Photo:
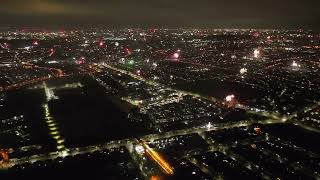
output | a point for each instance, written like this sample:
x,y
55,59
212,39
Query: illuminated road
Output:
x,y
24,83
65,153
57,72
125,142
165,166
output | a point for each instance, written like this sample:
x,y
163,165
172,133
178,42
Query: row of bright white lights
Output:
x,y
51,123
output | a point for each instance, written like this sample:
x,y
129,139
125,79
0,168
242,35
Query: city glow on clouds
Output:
x,y
49,7
200,13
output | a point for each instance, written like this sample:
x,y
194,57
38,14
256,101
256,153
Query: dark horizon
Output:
x,y
249,14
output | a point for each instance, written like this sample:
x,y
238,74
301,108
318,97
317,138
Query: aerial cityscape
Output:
x,y
160,103
146,90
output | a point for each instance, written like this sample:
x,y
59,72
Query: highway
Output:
x,y
125,142
165,166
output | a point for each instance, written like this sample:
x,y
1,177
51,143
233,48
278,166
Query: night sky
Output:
x,y
163,13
